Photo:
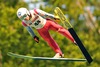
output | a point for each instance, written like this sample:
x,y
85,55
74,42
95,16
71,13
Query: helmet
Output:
x,y
22,13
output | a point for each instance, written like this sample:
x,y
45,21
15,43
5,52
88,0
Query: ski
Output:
x,y
43,58
67,25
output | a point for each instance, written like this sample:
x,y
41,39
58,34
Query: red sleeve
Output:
x,y
35,11
24,24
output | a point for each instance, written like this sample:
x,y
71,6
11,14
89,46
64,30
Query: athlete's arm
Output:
x,y
46,15
29,29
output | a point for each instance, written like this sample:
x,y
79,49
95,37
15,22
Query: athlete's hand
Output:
x,y
56,19
36,39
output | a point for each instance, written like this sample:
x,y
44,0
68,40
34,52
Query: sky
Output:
x,y
34,5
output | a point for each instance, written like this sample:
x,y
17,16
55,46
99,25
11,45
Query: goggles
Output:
x,y
23,17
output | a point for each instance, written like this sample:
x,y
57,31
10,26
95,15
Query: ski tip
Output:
x,y
9,53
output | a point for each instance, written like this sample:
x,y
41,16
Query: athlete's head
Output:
x,y
22,13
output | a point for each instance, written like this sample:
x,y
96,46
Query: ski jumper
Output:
x,y
42,21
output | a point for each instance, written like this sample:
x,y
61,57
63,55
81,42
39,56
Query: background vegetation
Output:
x,y
84,15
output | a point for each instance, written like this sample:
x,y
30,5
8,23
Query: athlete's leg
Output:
x,y
46,36
60,29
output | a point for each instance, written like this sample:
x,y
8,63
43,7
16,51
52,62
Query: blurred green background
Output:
x,y
84,15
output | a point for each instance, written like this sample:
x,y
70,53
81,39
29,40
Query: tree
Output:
x,y
14,38
0,59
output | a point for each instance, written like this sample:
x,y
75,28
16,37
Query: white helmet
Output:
x,y
22,13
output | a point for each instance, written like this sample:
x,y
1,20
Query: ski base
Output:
x,y
43,58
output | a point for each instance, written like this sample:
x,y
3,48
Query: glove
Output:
x,y
56,19
36,39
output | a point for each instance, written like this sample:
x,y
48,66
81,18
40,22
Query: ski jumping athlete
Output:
x,y
43,22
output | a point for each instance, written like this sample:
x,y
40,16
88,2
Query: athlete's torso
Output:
x,y
36,21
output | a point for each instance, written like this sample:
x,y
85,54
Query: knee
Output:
x,y
47,39
61,29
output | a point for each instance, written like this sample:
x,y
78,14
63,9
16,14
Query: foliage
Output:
x,y
14,38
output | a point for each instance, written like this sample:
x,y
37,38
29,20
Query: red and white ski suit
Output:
x,y
42,21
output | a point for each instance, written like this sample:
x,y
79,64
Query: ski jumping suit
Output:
x,y
41,21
